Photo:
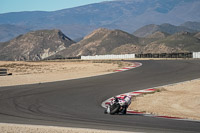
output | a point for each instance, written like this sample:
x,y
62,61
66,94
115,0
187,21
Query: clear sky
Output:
x,y
41,5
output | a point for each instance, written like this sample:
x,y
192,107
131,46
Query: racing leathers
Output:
x,y
124,102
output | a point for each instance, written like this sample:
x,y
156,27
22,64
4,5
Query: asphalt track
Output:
x,y
77,103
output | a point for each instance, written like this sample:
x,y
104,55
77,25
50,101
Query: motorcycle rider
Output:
x,y
124,101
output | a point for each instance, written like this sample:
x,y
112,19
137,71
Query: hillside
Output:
x,y
157,35
104,41
192,25
197,35
178,42
126,15
152,37
183,40
100,41
34,45
51,44
147,30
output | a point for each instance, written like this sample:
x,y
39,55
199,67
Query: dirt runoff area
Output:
x,y
49,71
179,100
15,128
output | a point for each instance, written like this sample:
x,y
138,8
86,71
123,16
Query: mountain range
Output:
x,y
126,15
103,41
51,44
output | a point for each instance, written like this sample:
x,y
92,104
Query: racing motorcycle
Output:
x,y
116,106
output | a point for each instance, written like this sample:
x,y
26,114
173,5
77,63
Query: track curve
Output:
x,y
77,103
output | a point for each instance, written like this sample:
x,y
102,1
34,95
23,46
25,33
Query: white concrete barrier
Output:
x,y
196,54
98,57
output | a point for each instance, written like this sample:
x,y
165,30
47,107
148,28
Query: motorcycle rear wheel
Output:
x,y
114,108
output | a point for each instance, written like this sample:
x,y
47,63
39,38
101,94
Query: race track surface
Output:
x,y
77,103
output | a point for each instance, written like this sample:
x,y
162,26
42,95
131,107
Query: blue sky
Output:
x,y
41,5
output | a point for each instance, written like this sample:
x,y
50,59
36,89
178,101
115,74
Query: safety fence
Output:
x,y
165,55
62,58
145,55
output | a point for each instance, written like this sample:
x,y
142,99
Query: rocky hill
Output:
x,y
178,42
100,41
158,35
143,41
104,41
197,35
166,28
34,45
183,41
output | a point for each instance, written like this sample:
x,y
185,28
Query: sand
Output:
x,y
16,128
49,71
179,100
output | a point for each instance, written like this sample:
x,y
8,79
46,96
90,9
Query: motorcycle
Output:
x,y
116,106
